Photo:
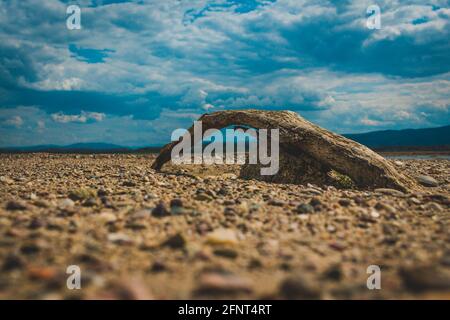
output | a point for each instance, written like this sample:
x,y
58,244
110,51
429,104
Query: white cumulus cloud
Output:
x,y
15,121
83,117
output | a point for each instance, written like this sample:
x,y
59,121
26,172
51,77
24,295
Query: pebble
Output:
x,y
13,262
315,202
414,200
374,214
160,210
141,214
427,181
178,211
129,183
106,217
312,191
229,211
41,203
334,272
120,238
344,202
425,278
36,223
392,192
399,163
386,207
391,229
222,237
215,283
276,202
65,204
123,289
42,273
255,263
223,191
176,203
176,241
106,202
203,227
433,206
230,176
202,197
81,194
150,196
30,248
338,246
299,287
102,193
176,207
445,259
6,180
158,266
136,225
305,208
441,198
226,253
251,188
90,202
365,217
242,208
16,205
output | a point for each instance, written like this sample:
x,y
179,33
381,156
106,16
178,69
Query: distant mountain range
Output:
x,y
429,138
386,140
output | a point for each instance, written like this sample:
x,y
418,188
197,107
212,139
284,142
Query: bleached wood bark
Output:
x,y
301,138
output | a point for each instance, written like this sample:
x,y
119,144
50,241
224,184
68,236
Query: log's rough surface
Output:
x,y
305,144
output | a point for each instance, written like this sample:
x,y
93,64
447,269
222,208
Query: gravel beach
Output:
x,y
202,232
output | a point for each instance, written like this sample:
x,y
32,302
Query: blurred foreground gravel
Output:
x,y
200,232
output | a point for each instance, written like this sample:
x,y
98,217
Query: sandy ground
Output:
x,y
139,234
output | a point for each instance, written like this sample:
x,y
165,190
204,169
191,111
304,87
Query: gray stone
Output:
x,y
427,181
305,208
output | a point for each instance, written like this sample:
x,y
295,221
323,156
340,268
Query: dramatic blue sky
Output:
x,y
139,69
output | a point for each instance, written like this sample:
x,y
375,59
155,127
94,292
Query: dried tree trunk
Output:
x,y
300,138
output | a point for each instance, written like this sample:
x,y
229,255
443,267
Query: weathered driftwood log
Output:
x,y
305,144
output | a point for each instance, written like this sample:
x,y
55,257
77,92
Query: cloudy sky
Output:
x,y
137,70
